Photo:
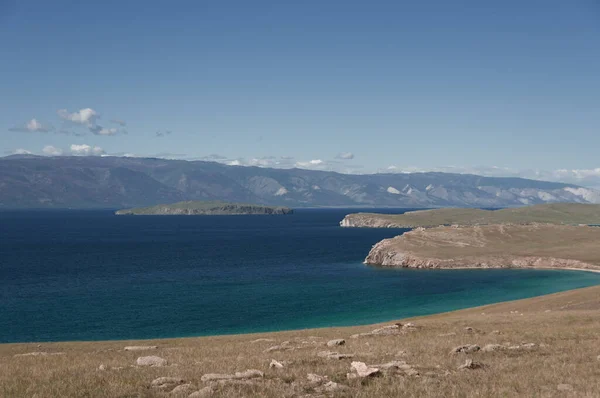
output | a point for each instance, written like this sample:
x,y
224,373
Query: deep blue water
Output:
x,y
89,275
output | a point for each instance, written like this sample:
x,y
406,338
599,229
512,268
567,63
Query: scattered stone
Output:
x,y
315,378
285,346
332,386
275,364
383,331
524,346
492,348
203,392
183,389
261,340
140,347
470,364
548,311
333,355
468,329
398,366
598,357
401,353
151,361
248,374
467,348
166,383
495,332
564,387
335,342
362,370
447,334
38,354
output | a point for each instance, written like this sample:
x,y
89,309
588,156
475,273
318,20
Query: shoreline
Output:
x,y
494,350
332,327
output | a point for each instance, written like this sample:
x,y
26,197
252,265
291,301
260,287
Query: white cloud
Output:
x,y
52,150
345,156
32,126
120,122
86,116
99,130
86,150
310,164
21,151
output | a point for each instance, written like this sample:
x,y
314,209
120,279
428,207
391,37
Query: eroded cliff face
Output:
x,y
366,221
492,246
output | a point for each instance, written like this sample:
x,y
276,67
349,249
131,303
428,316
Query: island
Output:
x,y
204,208
556,213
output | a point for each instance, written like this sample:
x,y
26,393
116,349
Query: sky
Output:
x,y
489,87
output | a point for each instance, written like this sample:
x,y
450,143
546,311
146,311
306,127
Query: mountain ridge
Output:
x,y
120,182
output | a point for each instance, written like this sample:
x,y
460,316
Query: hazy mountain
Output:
x,y
117,182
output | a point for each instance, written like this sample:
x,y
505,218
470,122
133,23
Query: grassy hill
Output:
x,y
557,213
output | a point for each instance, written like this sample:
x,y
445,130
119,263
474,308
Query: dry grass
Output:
x,y
556,213
565,326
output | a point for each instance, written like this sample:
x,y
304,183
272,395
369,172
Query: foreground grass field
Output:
x,y
541,347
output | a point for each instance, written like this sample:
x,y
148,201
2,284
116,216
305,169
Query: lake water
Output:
x,y
90,275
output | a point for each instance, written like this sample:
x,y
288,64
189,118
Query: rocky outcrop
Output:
x,y
492,246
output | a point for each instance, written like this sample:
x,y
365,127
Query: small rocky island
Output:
x,y
202,208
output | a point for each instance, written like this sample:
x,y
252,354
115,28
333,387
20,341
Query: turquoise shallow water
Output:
x,y
89,275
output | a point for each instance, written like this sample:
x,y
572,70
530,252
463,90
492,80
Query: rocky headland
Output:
x,y
492,246
195,208
556,213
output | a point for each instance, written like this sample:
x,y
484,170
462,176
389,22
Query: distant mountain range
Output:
x,y
118,182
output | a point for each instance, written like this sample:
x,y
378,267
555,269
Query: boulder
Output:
x,y
151,361
336,342
275,364
362,370
332,386
102,367
470,364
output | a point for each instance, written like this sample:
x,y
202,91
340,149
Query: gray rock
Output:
x,y
203,392
492,348
275,364
102,367
362,370
248,374
333,355
467,348
151,361
447,334
336,342
183,390
166,383
140,347
332,386
315,378
470,364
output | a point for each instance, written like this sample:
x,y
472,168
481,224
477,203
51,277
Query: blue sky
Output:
x,y
503,86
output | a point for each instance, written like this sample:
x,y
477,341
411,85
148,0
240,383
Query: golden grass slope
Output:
x,y
557,213
563,362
